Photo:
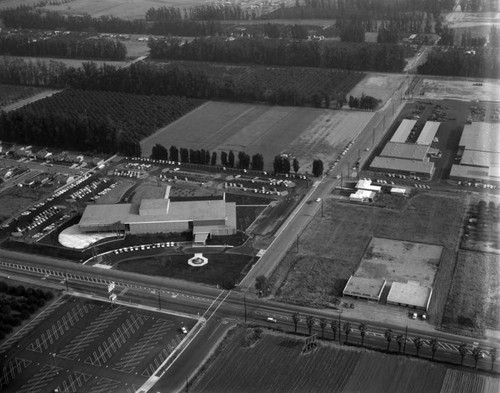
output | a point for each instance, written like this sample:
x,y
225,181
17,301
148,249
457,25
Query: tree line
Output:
x,y
154,79
204,157
482,62
359,56
335,9
347,328
365,102
25,44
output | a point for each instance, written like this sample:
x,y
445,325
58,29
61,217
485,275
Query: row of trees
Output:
x,y
205,12
480,62
360,56
28,18
194,82
18,304
281,164
71,47
203,157
381,9
365,102
347,328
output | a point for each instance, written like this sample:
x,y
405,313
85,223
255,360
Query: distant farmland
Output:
x,y
306,133
276,364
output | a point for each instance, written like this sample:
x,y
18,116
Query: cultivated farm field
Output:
x,y
379,86
331,247
305,133
275,363
461,89
474,301
10,94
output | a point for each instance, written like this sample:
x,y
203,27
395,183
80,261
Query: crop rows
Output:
x,y
463,382
306,81
92,120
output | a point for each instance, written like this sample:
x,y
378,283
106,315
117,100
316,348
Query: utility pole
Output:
x,y
322,215
67,286
297,244
159,298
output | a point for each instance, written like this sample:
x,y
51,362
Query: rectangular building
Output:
x,y
365,288
428,133
407,167
404,129
410,294
407,151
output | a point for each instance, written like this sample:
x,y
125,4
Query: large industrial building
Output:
x,y
203,217
479,154
399,156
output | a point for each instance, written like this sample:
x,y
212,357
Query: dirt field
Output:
x,y
457,381
331,248
10,94
275,364
394,260
68,62
379,86
306,133
460,89
474,301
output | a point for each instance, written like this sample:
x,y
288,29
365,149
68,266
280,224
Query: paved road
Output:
x,y
291,229
218,306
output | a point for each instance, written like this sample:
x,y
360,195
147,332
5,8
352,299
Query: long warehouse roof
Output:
x,y
404,129
428,133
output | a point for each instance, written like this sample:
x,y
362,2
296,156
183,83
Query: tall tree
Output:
x,y
159,152
214,159
476,354
335,326
223,158
399,340
296,320
418,342
317,168
462,349
230,159
363,327
174,153
347,331
388,336
322,325
434,344
296,166
310,323
493,357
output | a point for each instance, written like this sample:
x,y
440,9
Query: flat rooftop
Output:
x,y
399,164
428,133
481,136
480,158
178,211
403,131
408,151
370,288
410,294
367,185
466,172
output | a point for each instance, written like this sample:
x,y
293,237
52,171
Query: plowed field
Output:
x,y
305,133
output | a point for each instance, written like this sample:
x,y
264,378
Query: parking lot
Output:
x,y
91,346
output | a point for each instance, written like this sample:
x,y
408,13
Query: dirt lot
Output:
x,y
331,248
474,301
395,260
306,133
379,86
461,89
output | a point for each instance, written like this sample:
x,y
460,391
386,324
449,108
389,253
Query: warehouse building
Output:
x,y
403,131
364,288
411,159
410,294
204,218
406,167
479,152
